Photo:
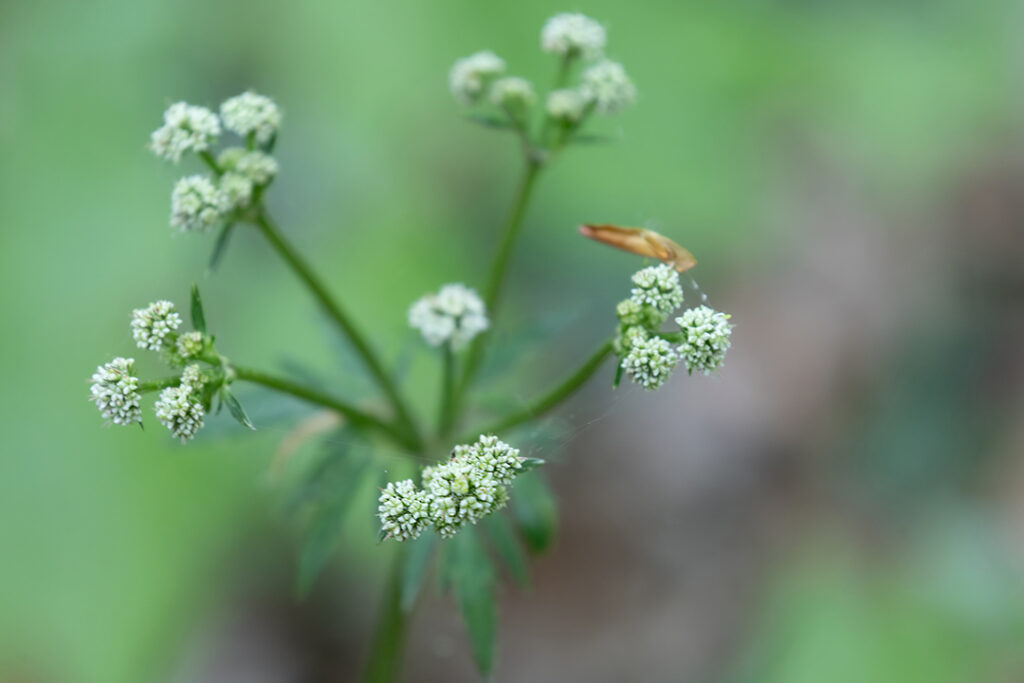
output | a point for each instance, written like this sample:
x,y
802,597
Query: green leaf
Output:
x,y
535,512
414,569
350,471
198,319
531,464
472,582
618,376
219,247
237,411
489,121
507,546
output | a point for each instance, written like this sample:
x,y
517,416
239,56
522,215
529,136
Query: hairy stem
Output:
x,y
343,321
553,397
349,411
384,663
492,291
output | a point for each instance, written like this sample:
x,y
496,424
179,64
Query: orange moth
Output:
x,y
642,242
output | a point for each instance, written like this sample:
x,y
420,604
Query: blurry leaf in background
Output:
x,y
507,547
415,568
471,578
535,512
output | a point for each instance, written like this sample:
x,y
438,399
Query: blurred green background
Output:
x,y
845,502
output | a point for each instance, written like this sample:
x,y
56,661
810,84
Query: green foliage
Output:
x,y
469,573
508,547
196,310
536,515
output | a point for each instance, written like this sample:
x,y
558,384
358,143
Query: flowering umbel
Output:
x,y
155,326
462,490
470,76
186,128
454,315
252,114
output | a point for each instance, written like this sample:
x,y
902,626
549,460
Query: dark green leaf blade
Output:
x,y
472,581
219,247
198,318
507,546
237,411
535,512
414,569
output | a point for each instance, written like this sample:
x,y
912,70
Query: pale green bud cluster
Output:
x,y
190,345
454,315
200,202
470,76
607,86
566,105
472,484
659,288
115,388
513,94
706,334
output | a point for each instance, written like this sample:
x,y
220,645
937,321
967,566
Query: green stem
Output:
x,y
349,411
446,417
211,162
159,384
385,659
336,314
492,291
553,397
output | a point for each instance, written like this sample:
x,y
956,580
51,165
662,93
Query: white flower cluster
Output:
x,y
463,490
190,345
608,87
706,335
180,408
115,388
403,510
454,315
566,105
186,128
151,326
573,34
252,113
258,167
650,361
197,204
470,76
658,287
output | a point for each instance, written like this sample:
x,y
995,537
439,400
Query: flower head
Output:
x,y
153,325
658,287
650,361
115,388
461,494
252,113
607,85
469,76
706,335
573,34
179,408
455,315
403,510
198,204
513,94
190,345
186,128
492,458
237,188
566,105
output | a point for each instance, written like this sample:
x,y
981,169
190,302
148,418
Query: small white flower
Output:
x,y
460,494
238,189
197,204
252,113
469,76
706,334
186,129
607,85
455,314
151,326
490,458
115,388
658,287
403,510
179,409
650,362
628,336
512,93
257,166
573,34
566,105
192,378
